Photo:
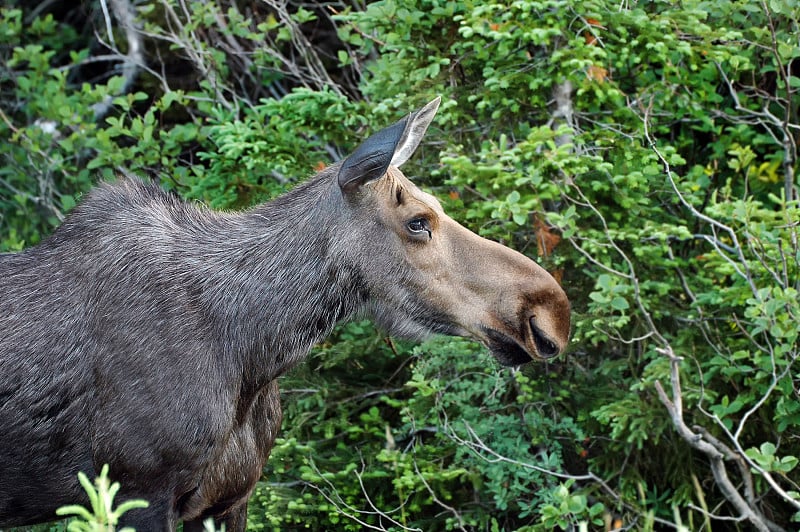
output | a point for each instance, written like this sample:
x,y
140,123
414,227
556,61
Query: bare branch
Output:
x,y
715,455
439,501
741,268
317,76
132,59
332,496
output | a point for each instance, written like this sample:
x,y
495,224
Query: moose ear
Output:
x,y
393,145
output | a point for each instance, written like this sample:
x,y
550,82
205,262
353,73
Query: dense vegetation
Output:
x,y
645,153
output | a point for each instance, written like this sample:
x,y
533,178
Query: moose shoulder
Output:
x,y
148,333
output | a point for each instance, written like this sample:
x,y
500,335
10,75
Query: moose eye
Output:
x,y
418,226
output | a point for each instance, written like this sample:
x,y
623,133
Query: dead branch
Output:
x,y
741,268
437,500
716,452
317,76
331,494
134,56
563,112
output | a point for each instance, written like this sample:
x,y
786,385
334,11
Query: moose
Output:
x,y
148,333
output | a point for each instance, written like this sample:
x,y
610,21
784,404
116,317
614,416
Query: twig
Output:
x,y
437,500
353,513
713,223
8,122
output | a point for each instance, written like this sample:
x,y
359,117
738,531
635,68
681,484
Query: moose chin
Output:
x,y
148,333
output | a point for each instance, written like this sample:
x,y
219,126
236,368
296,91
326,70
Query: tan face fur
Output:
x,y
489,292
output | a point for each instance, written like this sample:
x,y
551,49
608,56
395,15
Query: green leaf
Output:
x,y
76,510
67,202
619,303
768,449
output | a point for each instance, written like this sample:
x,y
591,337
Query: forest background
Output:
x,y
644,152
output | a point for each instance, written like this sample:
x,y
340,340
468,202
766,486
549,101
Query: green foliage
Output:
x,y
56,147
269,149
561,512
656,141
457,429
102,516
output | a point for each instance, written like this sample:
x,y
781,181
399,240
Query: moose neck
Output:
x,y
278,285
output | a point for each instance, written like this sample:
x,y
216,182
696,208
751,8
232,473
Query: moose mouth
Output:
x,y
505,350
509,352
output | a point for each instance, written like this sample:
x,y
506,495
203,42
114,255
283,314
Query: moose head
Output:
x,y
426,273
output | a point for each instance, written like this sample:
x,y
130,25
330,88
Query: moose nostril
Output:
x,y
545,347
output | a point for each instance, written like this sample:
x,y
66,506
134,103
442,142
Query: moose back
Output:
x,y
148,333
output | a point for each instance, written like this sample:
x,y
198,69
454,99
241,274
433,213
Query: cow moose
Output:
x,y
148,333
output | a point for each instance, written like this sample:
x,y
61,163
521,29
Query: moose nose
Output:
x,y
545,347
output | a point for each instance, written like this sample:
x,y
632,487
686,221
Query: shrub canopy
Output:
x,y
645,153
